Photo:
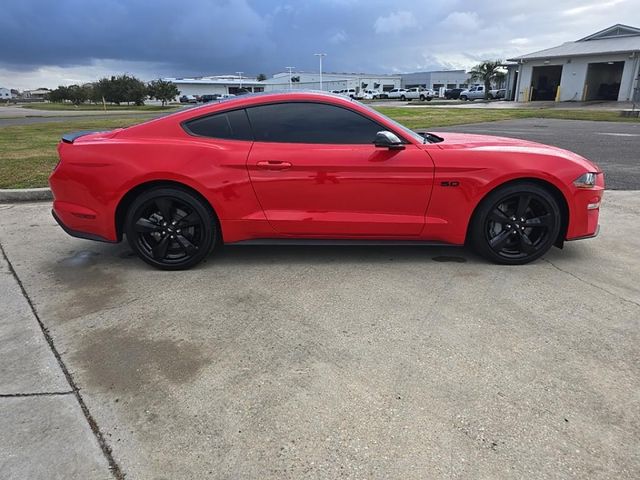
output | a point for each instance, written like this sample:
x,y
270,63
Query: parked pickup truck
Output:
x,y
473,93
419,93
396,93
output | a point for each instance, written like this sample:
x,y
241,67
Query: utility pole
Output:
x,y
320,55
240,75
290,69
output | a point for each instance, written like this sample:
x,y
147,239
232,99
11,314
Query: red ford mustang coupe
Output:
x,y
312,167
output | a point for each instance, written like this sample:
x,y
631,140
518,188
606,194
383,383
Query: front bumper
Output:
x,y
591,235
584,211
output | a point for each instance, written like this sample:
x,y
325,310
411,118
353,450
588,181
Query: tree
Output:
x,y
162,90
118,89
58,95
77,94
261,77
487,71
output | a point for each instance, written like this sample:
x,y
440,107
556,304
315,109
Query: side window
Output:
x,y
300,122
227,125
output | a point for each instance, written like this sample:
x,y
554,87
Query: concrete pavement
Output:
x,y
45,434
273,362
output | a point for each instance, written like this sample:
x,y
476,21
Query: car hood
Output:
x,y
472,142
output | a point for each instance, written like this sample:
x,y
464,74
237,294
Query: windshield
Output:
x,y
399,126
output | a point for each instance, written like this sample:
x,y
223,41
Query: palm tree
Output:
x,y
488,71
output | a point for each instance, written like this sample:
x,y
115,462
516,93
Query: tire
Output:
x,y
171,228
429,99
422,98
463,98
515,224
403,98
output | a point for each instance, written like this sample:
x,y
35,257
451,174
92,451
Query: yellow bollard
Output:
x,y
558,94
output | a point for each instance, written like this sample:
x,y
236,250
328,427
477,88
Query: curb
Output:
x,y
11,195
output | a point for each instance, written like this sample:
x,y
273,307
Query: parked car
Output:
x,y
419,93
370,94
308,166
350,92
398,93
452,93
188,99
473,93
497,93
209,97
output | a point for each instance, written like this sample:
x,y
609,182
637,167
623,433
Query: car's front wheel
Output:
x,y
403,98
516,224
170,228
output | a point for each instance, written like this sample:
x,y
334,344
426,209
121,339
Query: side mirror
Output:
x,y
386,139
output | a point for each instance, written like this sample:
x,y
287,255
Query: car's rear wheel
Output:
x,y
422,98
403,98
516,224
463,98
170,228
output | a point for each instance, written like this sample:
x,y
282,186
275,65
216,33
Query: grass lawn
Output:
x,y
84,107
28,152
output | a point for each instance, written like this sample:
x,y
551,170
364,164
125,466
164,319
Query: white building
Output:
x,y
233,84
602,66
5,93
332,81
221,84
436,79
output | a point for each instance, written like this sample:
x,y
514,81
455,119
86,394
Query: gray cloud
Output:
x,y
78,40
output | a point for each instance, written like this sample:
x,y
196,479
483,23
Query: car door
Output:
x,y
316,172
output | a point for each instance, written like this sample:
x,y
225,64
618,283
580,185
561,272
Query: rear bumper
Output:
x,y
78,233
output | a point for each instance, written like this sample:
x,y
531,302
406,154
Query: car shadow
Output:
x,y
230,255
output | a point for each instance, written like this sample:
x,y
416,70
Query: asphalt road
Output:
x,y
614,146
320,363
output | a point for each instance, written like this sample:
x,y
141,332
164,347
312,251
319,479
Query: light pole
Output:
x,y
240,75
290,68
320,55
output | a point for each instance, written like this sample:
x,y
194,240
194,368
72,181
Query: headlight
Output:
x,y
588,180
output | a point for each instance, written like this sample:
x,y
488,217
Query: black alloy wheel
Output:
x,y
170,228
516,224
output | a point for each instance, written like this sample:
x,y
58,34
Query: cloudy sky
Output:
x,y
46,43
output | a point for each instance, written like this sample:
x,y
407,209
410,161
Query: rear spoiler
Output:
x,y
71,137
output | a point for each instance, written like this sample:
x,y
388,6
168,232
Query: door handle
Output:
x,y
273,165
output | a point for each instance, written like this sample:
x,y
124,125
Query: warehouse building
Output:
x,y
436,80
221,84
234,84
601,66
332,81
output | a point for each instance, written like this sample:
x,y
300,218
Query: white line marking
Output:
x,y
620,134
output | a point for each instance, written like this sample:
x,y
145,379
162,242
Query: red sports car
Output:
x,y
311,167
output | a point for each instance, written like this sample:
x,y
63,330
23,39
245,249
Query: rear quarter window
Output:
x,y
231,125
